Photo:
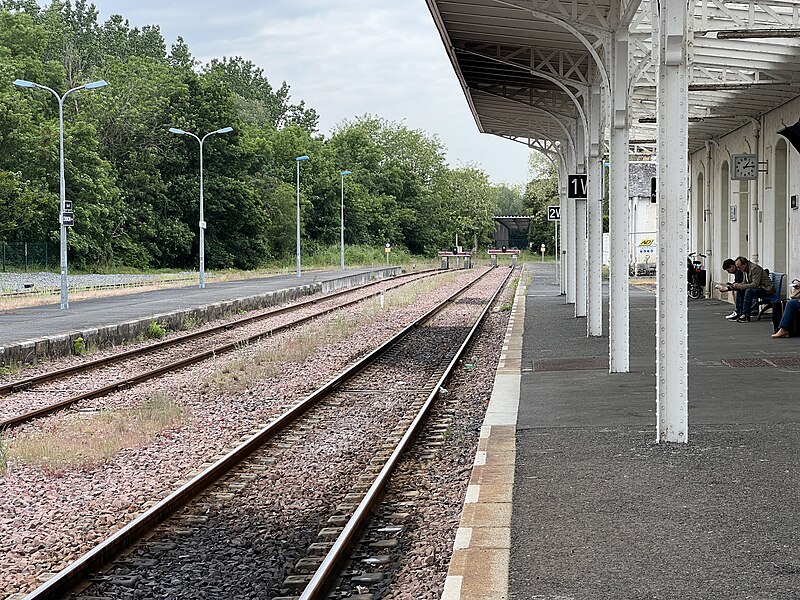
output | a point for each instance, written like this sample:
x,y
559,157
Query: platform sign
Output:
x,y
388,247
554,213
68,219
576,187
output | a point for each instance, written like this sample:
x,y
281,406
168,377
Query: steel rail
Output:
x,y
129,382
23,384
68,578
325,575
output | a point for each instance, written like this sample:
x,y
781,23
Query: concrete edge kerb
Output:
x,y
64,344
478,567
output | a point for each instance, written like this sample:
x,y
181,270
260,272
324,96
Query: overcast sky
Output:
x,y
344,58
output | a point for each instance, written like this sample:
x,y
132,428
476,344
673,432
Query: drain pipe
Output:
x,y
754,220
707,228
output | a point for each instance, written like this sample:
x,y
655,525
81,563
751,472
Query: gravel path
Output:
x,y
47,519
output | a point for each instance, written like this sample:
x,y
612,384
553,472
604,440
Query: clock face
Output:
x,y
745,166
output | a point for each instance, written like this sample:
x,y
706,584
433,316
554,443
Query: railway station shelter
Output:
x,y
709,91
511,232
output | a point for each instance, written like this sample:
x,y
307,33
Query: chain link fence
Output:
x,y
25,256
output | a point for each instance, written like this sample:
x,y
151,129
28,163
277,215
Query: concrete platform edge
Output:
x,y
63,344
484,533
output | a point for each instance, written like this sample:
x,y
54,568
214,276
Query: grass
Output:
x,y
251,365
3,455
85,440
10,369
155,330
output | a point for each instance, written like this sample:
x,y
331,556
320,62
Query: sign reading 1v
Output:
x,y
576,187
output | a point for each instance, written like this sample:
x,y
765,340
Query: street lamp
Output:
x,y
202,216
343,173
298,160
61,188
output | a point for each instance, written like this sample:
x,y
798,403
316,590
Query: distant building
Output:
x,y
643,219
511,232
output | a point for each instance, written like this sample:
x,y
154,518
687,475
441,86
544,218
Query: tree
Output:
x,y
539,194
256,101
510,200
135,187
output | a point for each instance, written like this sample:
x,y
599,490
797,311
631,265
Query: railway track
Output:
x,y
336,459
200,345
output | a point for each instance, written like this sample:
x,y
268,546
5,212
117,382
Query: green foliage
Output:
x,y
3,454
539,194
135,187
79,346
155,331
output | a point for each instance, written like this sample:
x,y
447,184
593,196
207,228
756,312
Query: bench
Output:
x,y
761,305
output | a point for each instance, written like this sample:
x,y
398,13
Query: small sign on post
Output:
x,y
542,249
554,213
576,187
387,249
68,219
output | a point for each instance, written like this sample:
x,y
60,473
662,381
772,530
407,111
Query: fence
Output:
x,y
26,256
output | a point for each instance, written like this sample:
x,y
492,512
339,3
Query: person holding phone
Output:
x,y
729,265
756,284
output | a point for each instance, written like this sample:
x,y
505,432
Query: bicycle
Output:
x,y
696,275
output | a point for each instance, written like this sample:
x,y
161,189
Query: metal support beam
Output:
x,y
594,180
671,300
562,194
569,232
581,256
618,218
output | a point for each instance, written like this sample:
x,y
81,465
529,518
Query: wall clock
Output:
x,y
745,166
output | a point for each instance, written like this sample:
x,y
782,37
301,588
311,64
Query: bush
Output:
x,y
79,346
156,331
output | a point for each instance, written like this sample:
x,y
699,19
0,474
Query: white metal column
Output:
x,y
564,266
568,237
594,182
672,401
562,198
618,217
581,254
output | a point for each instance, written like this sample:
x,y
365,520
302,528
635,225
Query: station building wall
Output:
x,y
728,218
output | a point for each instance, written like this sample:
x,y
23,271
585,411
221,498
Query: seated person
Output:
x,y
757,284
729,265
792,306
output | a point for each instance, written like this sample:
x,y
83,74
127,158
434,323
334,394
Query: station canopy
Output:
x,y
515,225
516,59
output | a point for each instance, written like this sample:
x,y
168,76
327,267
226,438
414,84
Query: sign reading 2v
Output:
x,y
576,187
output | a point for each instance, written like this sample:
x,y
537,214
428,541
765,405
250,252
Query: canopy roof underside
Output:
x,y
524,68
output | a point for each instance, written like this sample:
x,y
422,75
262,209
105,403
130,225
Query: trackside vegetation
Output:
x,y
134,186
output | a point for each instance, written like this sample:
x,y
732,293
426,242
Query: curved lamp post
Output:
x,y
298,160
62,189
202,215
343,173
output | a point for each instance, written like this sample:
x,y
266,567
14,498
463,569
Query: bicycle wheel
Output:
x,y
695,291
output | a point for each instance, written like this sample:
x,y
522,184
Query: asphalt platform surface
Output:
x,y
33,322
601,511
